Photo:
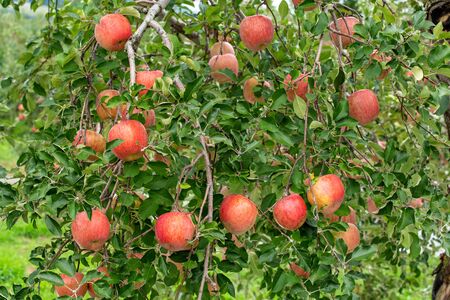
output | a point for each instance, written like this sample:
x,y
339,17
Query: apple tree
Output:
x,y
222,149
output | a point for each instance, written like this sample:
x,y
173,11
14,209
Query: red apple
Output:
x,y
72,286
222,62
91,234
363,106
134,138
90,139
22,117
20,107
344,25
299,271
290,212
103,111
350,237
350,218
238,213
149,116
90,285
112,32
249,94
416,203
372,206
297,87
256,32
221,48
174,230
147,79
328,193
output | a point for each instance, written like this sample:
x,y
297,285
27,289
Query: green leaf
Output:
x,y
417,72
363,253
283,9
406,218
438,55
65,267
444,71
52,225
299,107
129,11
51,277
280,283
131,169
437,30
322,23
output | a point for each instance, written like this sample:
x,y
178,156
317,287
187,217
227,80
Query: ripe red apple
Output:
x,y
416,203
221,48
256,32
174,230
149,116
222,62
91,234
112,32
22,117
372,206
350,218
238,213
20,107
328,192
104,112
290,212
344,25
134,138
72,286
249,94
308,8
147,79
90,139
90,285
297,87
299,271
363,106
350,237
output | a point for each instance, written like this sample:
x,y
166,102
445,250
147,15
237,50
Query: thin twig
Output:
x,y
127,244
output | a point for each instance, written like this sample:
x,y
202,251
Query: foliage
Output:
x,y
258,150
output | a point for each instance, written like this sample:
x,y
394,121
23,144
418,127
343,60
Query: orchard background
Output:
x,y
208,141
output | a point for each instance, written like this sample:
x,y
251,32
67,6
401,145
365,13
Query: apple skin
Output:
x,y
226,48
149,116
104,112
22,117
222,62
344,25
134,138
372,206
91,234
90,139
350,237
112,32
174,230
290,212
256,32
328,192
147,79
363,106
297,87
299,271
416,203
20,107
350,218
72,286
90,285
238,213
249,85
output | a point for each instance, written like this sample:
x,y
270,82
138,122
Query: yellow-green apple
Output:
x,y
297,87
134,137
90,285
238,213
220,48
147,79
372,206
72,286
103,111
256,32
91,139
249,94
350,237
381,57
220,63
328,193
363,106
112,32
299,271
290,212
350,218
91,234
149,116
345,26
308,8
175,230
416,203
